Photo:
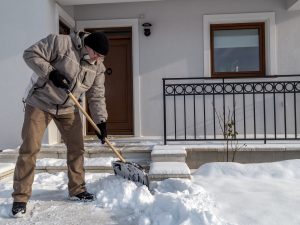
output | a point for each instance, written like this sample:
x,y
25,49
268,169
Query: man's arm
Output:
x,y
40,55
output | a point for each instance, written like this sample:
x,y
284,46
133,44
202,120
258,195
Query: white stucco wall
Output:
x,y
175,47
22,24
288,36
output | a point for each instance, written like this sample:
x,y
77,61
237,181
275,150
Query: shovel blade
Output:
x,y
131,171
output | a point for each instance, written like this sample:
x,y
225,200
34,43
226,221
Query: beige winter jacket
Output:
x,y
64,53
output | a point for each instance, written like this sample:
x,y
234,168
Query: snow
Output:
x,y
217,194
289,169
264,194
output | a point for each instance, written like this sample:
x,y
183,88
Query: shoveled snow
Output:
x,y
218,194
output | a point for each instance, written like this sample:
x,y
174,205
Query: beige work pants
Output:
x,y
34,126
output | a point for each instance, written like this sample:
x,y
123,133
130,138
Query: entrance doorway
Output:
x,y
118,82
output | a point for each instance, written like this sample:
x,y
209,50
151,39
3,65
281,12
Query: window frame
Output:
x,y
262,51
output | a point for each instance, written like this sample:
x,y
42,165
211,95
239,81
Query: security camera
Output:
x,y
147,30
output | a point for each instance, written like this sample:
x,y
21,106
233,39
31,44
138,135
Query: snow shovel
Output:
x,y
128,170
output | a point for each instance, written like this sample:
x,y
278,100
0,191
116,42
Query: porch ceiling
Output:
x,y
293,5
290,4
86,2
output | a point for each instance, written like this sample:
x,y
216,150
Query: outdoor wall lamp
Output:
x,y
147,30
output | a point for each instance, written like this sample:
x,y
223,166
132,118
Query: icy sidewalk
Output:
x,y
49,204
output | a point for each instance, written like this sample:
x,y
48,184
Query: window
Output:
x,y
237,49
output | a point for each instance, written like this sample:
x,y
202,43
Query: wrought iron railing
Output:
x,y
198,109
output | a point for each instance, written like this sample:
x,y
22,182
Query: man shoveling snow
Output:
x,y
61,62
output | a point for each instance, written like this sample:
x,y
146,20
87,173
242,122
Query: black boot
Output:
x,y
83,196
18,209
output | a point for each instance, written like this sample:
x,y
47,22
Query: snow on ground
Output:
x,y
218,194
254,194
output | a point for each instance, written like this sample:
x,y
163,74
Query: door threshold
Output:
x,y
110,137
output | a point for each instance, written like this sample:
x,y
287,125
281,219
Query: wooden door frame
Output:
x,y
133,23
121,38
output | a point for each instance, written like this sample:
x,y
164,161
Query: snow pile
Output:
x,y
262,193
180,202
174,201
283,170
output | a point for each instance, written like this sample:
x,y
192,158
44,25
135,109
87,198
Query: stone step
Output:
x,y
7,169
88,169
164,170
91,151
101,161
165,153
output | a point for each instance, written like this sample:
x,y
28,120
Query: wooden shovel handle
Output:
x,y
94,125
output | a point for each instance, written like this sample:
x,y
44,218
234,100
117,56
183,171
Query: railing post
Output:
x,y
164,105
224,108
264,109
295,110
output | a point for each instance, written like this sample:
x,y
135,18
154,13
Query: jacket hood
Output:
x,y
78,38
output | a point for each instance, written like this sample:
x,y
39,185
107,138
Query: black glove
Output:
x,y
102,127
59,80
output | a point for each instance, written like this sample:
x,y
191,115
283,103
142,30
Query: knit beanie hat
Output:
x,y
98,42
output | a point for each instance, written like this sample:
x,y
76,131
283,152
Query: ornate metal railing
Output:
x,y
198,109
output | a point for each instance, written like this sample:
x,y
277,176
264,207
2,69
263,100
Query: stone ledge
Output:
x,y
88,169
164,177
168,158
91,148
91,169
248,148
169,147
94,153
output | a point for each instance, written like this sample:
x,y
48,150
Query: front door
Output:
x,y
118,82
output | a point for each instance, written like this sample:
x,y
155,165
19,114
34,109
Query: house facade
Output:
x,y
179,46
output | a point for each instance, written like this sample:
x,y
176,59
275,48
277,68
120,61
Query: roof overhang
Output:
x,y
88,2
